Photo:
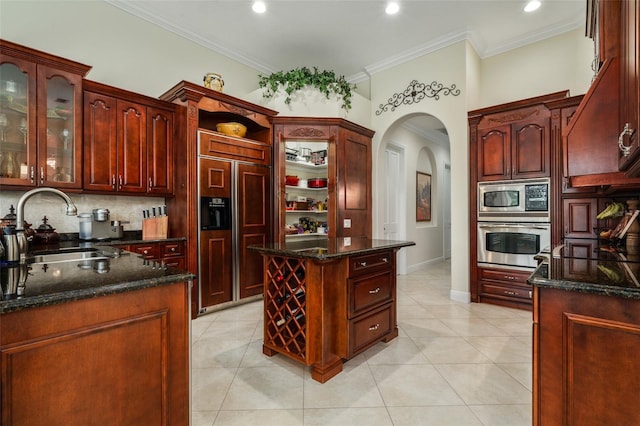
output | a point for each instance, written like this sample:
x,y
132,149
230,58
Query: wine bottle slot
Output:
x,y
299,294
298,315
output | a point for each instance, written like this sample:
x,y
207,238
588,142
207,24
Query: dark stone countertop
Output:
x,y
128,237
601,272
329,248
31,285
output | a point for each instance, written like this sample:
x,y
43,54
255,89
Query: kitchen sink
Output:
x,y
73,254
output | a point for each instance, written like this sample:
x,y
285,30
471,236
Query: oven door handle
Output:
x,y
512,225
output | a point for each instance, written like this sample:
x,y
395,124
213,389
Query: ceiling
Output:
x,y
354,38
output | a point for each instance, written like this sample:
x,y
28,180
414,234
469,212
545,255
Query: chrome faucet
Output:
x,y
22,239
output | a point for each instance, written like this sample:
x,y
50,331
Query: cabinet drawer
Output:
x,y
172,249
148,251
504,275
369,291
367,263
506,291
369,328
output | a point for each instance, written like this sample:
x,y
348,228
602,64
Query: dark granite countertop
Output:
x,y
601,272
329,247
30,285
128,237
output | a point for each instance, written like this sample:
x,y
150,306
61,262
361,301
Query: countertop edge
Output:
x,y
19,304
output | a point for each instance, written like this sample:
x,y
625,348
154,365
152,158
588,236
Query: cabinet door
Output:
x,y
160,151
254,205
579,217
216,256
100,142
59,128
494,153
353,184
629,93
132,147
530,149
18,139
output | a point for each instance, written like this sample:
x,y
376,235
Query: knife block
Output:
x,y
155,228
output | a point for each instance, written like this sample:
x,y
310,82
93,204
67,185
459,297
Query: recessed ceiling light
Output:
x,y
392,8
259,7
532,5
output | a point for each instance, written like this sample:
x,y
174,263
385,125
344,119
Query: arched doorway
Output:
x,y
415,143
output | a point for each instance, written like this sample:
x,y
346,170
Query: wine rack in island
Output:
x,y
326,302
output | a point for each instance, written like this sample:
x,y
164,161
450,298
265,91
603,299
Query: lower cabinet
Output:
x,y
120,359
170,253
506,287
585,364
321,312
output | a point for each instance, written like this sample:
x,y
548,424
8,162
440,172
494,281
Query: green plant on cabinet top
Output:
x,y
296,79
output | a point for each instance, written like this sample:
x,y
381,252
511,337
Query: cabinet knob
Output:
x,y
625,149
363,263
172,249
377,290
145,251
374,327
385,260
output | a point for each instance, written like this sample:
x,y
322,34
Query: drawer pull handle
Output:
x,y
624,149
374,327
510,293
377,290
509,277
385,260
145,251
363,263
173,249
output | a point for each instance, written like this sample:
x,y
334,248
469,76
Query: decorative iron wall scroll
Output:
x,y
416,92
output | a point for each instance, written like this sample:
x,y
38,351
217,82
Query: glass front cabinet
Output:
x,y
40,119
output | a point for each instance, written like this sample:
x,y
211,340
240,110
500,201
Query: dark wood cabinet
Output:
x,y
209,163
506,287
583,365
579,217
512,141
347,167
342,306
120,358
593,156
40,119
128,146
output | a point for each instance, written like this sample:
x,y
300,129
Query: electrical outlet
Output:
x,y
347,223
347,241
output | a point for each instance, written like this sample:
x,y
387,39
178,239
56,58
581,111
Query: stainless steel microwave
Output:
x,y
514,200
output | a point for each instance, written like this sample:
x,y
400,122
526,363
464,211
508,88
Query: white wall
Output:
x,y
559,63
124,51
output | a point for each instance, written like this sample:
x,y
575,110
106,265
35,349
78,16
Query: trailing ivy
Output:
x,y
296,79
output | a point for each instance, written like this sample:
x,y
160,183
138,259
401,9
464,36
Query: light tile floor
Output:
x,y
452,364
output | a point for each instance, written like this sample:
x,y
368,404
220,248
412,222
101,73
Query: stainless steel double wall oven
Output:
x,y
513,222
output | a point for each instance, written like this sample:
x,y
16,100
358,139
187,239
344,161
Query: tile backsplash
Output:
x,y
123,208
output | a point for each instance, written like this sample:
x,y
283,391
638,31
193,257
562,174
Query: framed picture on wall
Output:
x,y
423,197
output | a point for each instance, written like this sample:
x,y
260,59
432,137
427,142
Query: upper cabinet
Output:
x,y
601,141
128,142
512,141
40,119
322,175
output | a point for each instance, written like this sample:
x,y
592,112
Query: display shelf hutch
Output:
x,y
346,199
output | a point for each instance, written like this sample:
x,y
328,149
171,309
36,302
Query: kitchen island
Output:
x,y
94,334
586,337
325,301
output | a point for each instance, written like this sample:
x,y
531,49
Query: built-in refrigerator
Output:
x,y
235,207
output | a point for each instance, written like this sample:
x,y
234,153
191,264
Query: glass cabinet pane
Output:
x,y
60,153
14,119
